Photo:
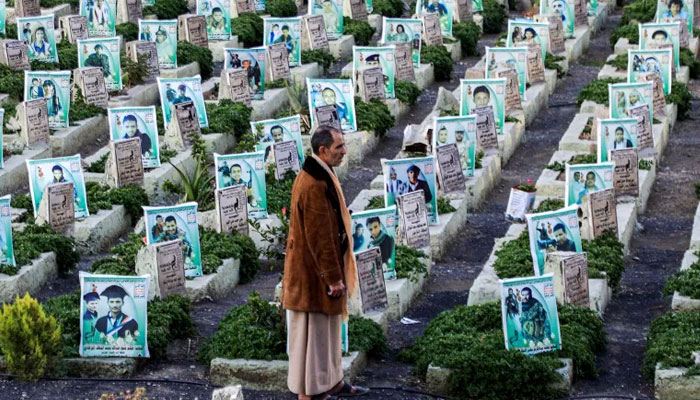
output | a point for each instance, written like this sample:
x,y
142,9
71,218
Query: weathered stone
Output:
x,y
30,278
100,367
228,393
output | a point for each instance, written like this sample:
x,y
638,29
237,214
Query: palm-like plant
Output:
x,y
299,103
198,186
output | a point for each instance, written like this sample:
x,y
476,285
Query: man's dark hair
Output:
x,y
590,173
277,127
619,128
414,168
129,117
216,9
56,168
236,165
672,2
285,27
661,32
558,226
98,46
323,136
526,289
170,218
159,216
372,220
481,89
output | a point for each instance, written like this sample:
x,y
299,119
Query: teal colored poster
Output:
x,y
529,314
565,8
459,130
398,30
244,169
218,17
40,36
338,92
104,53
624,96
484,92
676,9
2,132
445,10
552,231
140,122
253,61
616,134
477,5
164,34
47,171
271,131
332,12
657,61
377,228
581,179
522,33
164,224
113,315
101,17
181,90
287,31
3,13
409,175
55,88
505,58
376,57
659,36
7,252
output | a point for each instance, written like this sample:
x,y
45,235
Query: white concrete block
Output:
x,y
69,141
571,140
216,285
14,175
30,278
100,231
342,48
675,384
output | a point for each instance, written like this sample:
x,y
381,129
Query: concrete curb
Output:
x,y
675,384
14,175
30,278
217,285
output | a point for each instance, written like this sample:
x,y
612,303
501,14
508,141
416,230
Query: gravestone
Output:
x,y
403,60
57,207
556,32
580,13
355,9
74,27
234,85
570,276
658,96
371,279
129,11
33,119
371,84
414,219
27,8
124,164
278,60
432,33
232,209
193,28
137,48
626,173
286,158
165,263
463,11
645,137
599,213
313,33
451,174
185,123
535,63
476,73
15,54
242,7
91,82
486,129
328,116
512,97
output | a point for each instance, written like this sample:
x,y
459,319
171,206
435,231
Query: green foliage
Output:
x,y
685,282
128,30
217,247
34,240
187,53
453,112
407,92
583,336
167,9
54,3
551,62
468,34
373,116
122,260
605,254
577,159
10,28
645,164
281,8
671,340
444,206
441,60
388,8
167,154
279,193
687,58
99,165
367,336
361,30
549,205
479,158
134,72
67,58
80,110
29,339
102,197
619,62
596,91
168,319
197,185
514,259
681,97
12,82
697,190
231,118
375,202
409,264
323,58
249,29
253,331
66,310
638,12
494,16
631,32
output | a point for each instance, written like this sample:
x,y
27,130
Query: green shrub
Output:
x,y
444,206
375,202
619,62
128,30
441,60
217,247
134,72
361,30
373,116
479,159
34,240
631,32
281,8
407,92
229,117
10,28
550,62
638,12
279,192
29,339
66,310
67,58
167,9
681,97
671,341
367,336
80,110
249,29
494,16
388,8
687,58
187,53
323,58
168,319
468,34
12,82
132,197
514,258
645,164
685,282
574,160
54,3
409,264
549,205
253,331
596,91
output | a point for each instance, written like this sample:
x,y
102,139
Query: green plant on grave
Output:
x,y
619,62
12,83
468,34
494,16
134,72
67,58
187,53
479,158
685,282
631,32
323,58
199,184
132,197
122,258
99,165
366,336
248,27
687,58
514,258
228,117
453,112
167,9
299,104
373,116
360,30
574,160
274,236
128,30
406,92
671,341
596,91
645,164
34,240
10,28
281,8
444,206
440,58
66,310
510,118
375,202
167,154
217,247
168,319
279,192
80,110
638,12
681,97
409,263
550,62
549,205
388,8
29,339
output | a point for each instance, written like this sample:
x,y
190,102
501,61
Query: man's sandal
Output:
x,y
347,391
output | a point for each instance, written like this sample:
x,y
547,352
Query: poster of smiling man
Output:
x,y
445,10
113,315
409,175
563,8
383,57
616,134
624,96
661,36
244,169
672,10
164,35
499,58
271,131
523,33
582,179
337,92
164,224
140,122
39,34
655,61
55,88
377,228
459,130
400,30
552,231
287,31
253,61
476,93
181,90
47,171
218,16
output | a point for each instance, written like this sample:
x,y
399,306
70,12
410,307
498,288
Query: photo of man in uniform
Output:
x,y
533,319
98,59
116,325
92,299
181,96
559,242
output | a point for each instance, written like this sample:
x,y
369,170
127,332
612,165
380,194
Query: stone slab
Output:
x,y
455,50
622,45
447,229
341,48
71,140
100,367
675,384
483,181
273,102
300,73
570,140
58,12
14,175
680,302
216,285
98,232
217,47
30,278
576,46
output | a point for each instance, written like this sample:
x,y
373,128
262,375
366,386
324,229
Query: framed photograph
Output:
x,y
338,92
400,30
244,169
616,134
271,131
55,88
38,32
287,31
164,35
164,224
508,58
218,17
180,90
657,61
382,57
476,93
332,12
564,8
582,179
459,130
47,171
377,229
140,122
104,53
444,9
553,231
661,36
253,61
101,16
410,175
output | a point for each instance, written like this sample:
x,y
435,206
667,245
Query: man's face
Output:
x,y
333,156
285,32
675,9
92,305
558,7
181,92
98,50
412,176
329,97
159,221
375,229
442,136
115,305
560,236
171,227
130,127
160,37
246,64
358,230
327,6
35,82
619,136
528,35
590,180
481,99
277,135
236,173
373,63
58,174
392,176
526,296
659,38
633,98
510,292
459,136
218,16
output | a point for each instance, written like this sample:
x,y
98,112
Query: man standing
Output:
x,y
318,278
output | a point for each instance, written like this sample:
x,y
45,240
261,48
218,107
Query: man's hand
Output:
x,y
336,289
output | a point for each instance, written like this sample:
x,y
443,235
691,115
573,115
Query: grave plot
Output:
x,y
685,297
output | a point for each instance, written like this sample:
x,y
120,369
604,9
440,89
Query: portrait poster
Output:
x,y
101,17
451,175
556,32
3,15
103,52
2,132
164,35
286,158
377,229
180,90
529,314
371,279
7,252
650,61
523,33
383,57
408,175
218,17
615,134
338,92
54,86
114,315
460,130
484,92
564,9
443,8
244,169
253,61
582,179
676,9
271,131
259,4
164,224
40,36
287,31
661,35
332,13
231,206
508,58
626,176
553,231
624,96
140,122
400,30
47,171
414,219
